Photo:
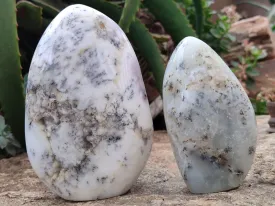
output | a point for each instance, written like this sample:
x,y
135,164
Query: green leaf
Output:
x,y
225,42
231,37
234,64
252,72
3,142
146,45
255,51
29,16
241,59
11,81
259,107
222,25
199,17
128,14
234,70
57,4
2,124
49,10
171,17
215,33
222,17
7,141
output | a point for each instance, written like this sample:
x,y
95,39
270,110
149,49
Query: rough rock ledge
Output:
x,y
160,183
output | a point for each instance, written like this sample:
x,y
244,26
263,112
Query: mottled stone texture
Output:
x,y
160,183
209,119
88,123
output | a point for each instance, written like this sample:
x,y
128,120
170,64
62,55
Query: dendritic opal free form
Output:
x,y
88,123
209,118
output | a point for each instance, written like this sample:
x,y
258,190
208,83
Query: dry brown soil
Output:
x,y
160,183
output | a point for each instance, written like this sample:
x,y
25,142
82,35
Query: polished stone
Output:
x,y
209,119
88,124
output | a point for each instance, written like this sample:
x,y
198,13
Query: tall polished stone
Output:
x,y
88,123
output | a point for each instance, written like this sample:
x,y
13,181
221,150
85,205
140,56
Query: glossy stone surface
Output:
x,y
88,123
209,119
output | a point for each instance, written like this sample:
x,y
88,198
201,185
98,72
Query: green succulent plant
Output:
x,y
215,34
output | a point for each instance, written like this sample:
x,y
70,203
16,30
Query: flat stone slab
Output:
x,y
160,183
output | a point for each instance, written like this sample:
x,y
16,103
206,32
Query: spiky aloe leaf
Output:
x,y
57,4
199,17
29,16
11,81
146,45
171,17
138,35
128,14
48,10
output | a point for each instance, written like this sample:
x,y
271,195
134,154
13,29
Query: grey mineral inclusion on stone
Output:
x,y
88,124
209,118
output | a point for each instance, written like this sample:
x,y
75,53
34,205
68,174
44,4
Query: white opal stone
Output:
x,y
209,119
88,123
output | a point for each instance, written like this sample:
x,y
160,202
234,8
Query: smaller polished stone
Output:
x,y
209,118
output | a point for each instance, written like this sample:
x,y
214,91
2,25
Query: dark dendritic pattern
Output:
x,y
103,33
226,96
55,61
209,119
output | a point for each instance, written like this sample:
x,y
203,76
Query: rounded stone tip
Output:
x,y
192,44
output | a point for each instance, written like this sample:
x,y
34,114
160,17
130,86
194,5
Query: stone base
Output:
x,y
159,184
